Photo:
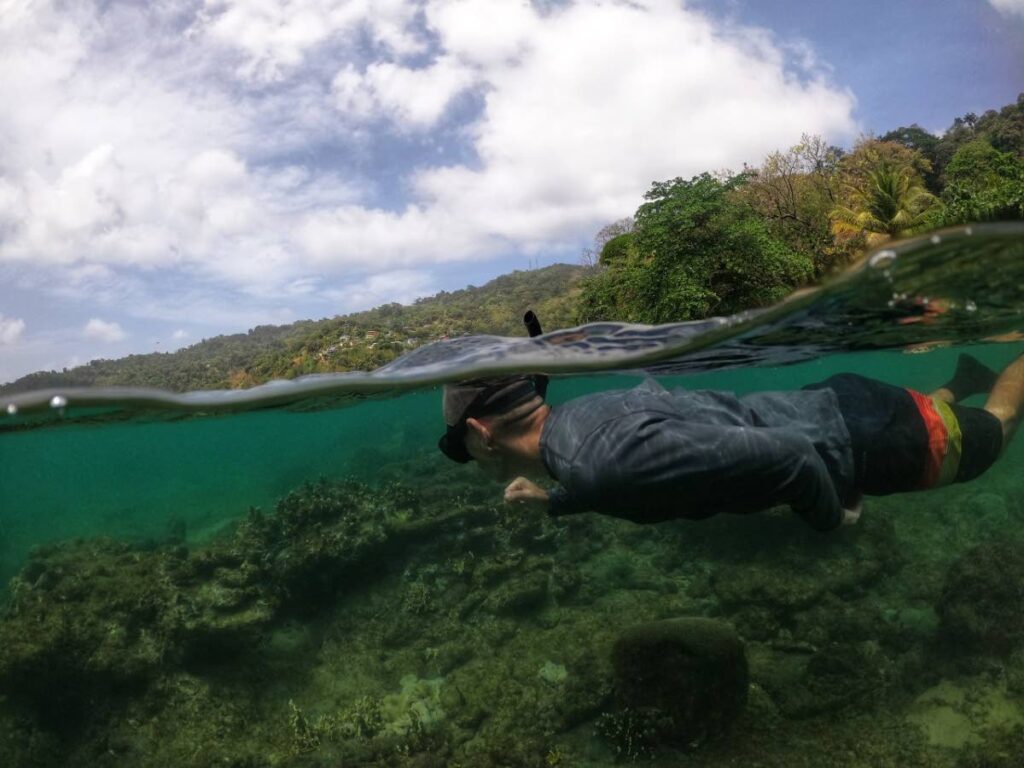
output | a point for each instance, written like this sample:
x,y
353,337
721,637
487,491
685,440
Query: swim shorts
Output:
x,y
903,440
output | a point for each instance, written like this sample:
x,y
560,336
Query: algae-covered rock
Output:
x,y
805,681
142,647
787,582
319,633
520,595
83,616
771,586
835,620
687,677
966,712
89,617
1001,748
982,603
796,576
839,676
552,673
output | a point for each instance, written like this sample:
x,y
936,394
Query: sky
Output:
x,y
174,170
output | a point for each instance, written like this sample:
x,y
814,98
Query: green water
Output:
x,y
138,480
168,608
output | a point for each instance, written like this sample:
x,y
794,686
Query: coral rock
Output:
x,y
982,604
689,675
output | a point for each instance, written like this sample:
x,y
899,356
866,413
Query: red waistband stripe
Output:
x,y
944,440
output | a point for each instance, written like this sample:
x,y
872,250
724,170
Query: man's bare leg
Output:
x,y
1007,398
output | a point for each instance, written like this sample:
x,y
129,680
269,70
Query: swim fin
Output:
x,y
971,377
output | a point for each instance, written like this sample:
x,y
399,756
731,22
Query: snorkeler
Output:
x,y
648,454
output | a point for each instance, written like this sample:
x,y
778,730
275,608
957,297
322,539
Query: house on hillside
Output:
x,y
328,350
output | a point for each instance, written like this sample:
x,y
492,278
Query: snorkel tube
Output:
x,y
532,323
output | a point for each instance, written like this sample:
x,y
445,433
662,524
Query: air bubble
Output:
x,y
968,230
58,401
970,306
882,259
935,239
12,409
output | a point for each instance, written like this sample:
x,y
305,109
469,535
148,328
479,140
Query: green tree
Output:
x,y
592,256
916,138
1003,129
698,249
795,192
883,191
983,184
616,249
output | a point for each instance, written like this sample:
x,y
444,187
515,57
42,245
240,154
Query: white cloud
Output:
x,y
584,107
276,37
366,238
102,330
11,329
403,286
1009,7
416,98
179,335
488,33
224,159
145,167
164,165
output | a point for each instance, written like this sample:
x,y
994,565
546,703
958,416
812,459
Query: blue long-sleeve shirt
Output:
x,y
648,454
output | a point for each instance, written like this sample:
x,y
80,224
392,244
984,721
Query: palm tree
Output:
x,y
886,200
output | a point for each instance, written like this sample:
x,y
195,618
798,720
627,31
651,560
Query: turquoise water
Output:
x,y
137,480
396,612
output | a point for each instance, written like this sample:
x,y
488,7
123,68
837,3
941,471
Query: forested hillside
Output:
x,y
359,341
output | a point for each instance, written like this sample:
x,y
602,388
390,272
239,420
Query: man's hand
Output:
x,y
523,490
851,516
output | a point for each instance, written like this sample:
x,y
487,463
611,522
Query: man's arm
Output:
x,y
649,467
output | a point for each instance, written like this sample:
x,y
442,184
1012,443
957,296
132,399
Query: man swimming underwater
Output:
x,y
648,454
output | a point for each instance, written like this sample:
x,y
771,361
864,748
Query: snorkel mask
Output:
x,y
483,397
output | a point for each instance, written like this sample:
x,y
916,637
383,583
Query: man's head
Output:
x,y
487,421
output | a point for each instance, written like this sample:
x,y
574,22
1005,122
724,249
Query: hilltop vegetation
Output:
x,y
366,340
358,341
713,244
716,244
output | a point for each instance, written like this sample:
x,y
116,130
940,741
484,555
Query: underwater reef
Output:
x,y
419,622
